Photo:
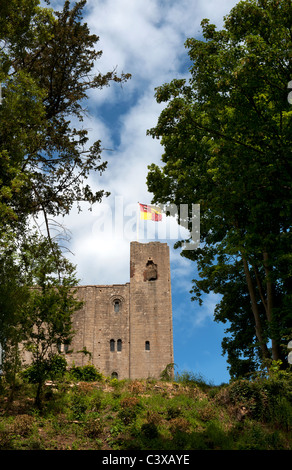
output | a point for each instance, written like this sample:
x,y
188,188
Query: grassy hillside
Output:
x,y
185,414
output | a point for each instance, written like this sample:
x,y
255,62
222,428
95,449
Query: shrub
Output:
x,y
256,437
179,425
6,436
265,399
86,373
96,401
94,427
217,438
53,368
149,430
191,379
205,410
129,409
22,425
167,373
251,395
79,405
173,411
281,413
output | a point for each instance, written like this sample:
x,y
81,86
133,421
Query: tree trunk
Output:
x,y
255,310
269,309
38,401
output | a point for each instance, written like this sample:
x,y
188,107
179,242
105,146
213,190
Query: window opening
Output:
x,y
147,345
63,347
116,306
112,344
119,345
151,271
115,375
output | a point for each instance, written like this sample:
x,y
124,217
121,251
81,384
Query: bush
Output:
x,y
173,411
96,402
129,409
79,405
149,430
191,379
251,395
22,425
94,428
267,399
216,437
281,413
86,373
256,437
53,368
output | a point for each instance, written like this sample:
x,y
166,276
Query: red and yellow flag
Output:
x,y
150,213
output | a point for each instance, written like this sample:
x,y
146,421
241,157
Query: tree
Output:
x,y
37,301
46,319
47,61
227,146
14,294
46,68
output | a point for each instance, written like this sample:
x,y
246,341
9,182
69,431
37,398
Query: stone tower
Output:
x,y
151,348
127,328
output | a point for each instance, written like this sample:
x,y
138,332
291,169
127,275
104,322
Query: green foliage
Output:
x,y
87,373
149,430
94,428
78,405
268,399
167,373
46,71
192,379
94,416
226,134
129,408
37,300
53,368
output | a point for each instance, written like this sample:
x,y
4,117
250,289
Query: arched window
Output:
x,y
117,306
112,345
63,347
115,375
119,345
147,345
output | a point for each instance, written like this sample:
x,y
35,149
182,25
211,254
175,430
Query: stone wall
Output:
x,y
150,310
127,328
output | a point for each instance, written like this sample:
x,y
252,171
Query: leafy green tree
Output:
x,y
226,134
37,301
47,64
47,61
14,294
46,318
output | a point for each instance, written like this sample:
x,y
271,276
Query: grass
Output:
x,y
185,414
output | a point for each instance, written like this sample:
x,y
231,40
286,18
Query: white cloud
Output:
x,y
147,40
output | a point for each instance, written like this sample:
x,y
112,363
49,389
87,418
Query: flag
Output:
x,y
150,213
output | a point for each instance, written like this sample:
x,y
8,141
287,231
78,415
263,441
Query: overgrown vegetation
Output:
x,y
85,411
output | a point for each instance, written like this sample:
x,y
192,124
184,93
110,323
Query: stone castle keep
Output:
x,y
127,328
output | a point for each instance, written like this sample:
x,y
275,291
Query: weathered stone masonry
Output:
x,y
127,328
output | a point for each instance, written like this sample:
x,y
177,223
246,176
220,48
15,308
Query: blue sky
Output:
x,y
146,39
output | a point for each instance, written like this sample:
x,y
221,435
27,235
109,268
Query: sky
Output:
x,y
145,39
